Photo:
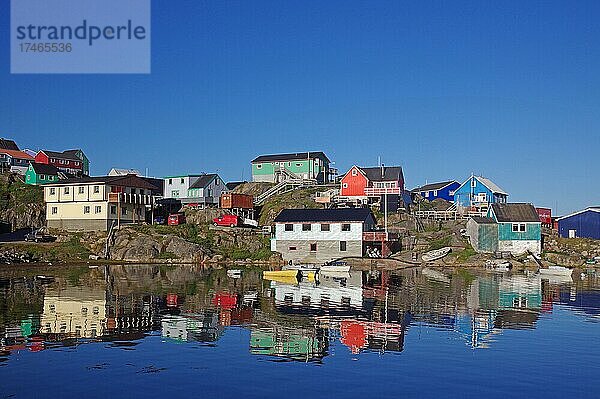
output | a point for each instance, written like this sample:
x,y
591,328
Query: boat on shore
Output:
x,y
334,268
436,254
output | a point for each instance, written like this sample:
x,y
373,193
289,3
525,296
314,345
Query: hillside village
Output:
x,y
296,209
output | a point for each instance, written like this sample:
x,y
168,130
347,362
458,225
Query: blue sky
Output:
x,y
510,90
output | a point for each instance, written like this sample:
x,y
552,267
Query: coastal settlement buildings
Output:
x,y
96,203
195,190
276,168
512,227
322,235
584,223
71,162
39,173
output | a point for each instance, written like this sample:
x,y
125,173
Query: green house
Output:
x,y
39,173
303,165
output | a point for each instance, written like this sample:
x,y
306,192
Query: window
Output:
x,y
66,190
426,194
86,209
292,248
306,226
346,301
54,210
259,166
289,227
343,246
181,180
473,183
175,193
96,189
170,181
354,172
344,185
313,247
52,191
346,227
81,190
42,177
123,211
435,193
97,209
325,227
113,209
298,165
305,300
519,227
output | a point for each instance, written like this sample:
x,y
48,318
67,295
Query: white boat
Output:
x,y
334,268
436,254
556,271
303,267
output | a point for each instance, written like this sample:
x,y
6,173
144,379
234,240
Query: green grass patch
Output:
x,y
440,243
465,254
167,255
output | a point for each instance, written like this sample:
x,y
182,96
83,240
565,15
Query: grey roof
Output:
x,y
203,180
69,154
491,185
290,157
515,213
390,173
44,169
483,220
7,144
128,181
233,184
324,215
434,186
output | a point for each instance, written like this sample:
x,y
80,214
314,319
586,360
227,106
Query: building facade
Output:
x,y
96,203
195,190
298,166
360,185
477,193
322,235
14,161
443,190
584,223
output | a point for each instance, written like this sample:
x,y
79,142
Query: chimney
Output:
x,y
382,170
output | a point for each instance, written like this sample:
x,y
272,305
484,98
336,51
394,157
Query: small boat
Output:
x,y
556,271
281,273
334,268
302,267
436,254
498,265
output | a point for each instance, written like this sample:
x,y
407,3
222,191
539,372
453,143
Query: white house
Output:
x,y
200,190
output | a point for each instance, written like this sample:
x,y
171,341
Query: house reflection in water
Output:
x,y
291,342
74,312
201,327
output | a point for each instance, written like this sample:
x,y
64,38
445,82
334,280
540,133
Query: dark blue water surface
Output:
x,y
187,331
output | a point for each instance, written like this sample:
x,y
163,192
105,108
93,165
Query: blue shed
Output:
x,y
444,190
585,224
479,191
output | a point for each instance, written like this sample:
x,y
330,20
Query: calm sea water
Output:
x,y
188,331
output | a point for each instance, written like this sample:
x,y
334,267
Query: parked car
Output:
x,y
233,221
176,219
159,220
39,235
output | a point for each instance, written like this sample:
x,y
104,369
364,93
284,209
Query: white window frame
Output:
x,y
354,172
86,209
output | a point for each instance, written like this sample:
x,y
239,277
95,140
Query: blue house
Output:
x,y
444,190
479,193
585,223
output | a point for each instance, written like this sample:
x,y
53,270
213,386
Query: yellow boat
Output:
x,y
280,273
288,276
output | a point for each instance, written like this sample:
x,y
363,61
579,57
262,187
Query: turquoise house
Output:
x,y
303,165
514,228
478,193
39,173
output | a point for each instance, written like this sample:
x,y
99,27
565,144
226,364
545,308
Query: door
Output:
x,y
572,233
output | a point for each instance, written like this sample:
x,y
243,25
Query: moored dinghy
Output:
x,y
556,270
436,254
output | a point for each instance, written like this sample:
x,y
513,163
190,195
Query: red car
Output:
x,y
176,219
227,220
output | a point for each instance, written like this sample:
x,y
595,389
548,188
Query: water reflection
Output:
x,y
360,311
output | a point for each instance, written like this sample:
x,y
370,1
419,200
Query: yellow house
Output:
x,y
95,203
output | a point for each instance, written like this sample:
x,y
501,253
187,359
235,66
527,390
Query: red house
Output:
x,y
361,184
71,161
545,215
